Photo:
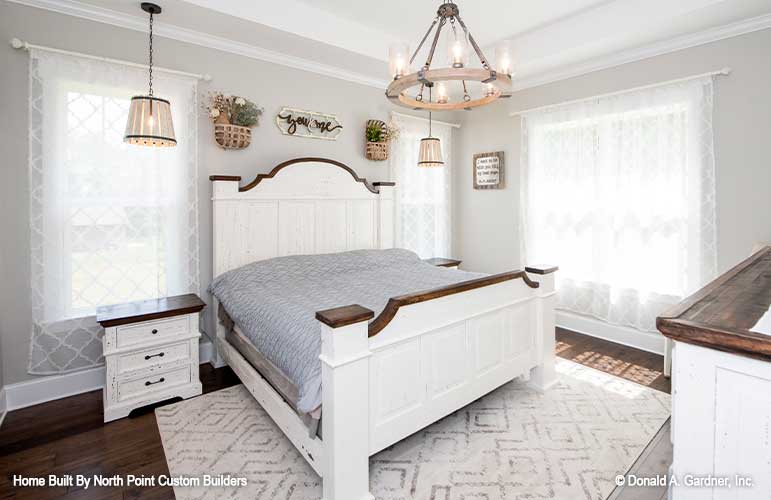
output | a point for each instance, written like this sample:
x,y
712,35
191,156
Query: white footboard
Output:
x,y
427,356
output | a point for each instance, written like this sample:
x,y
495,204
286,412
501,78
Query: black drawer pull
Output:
x,y
156,382
155,330
160,355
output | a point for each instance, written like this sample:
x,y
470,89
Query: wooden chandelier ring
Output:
x,y
396,89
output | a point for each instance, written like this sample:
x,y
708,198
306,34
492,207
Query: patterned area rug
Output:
x,y
514,443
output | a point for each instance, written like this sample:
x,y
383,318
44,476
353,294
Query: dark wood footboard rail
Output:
x,y
347,315
395,303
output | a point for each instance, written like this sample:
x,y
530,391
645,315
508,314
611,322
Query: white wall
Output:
x,y
269,85
485,222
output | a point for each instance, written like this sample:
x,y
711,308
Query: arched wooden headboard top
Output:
x,y
373,187
303,206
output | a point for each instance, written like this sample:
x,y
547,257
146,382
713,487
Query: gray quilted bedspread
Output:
x,y
274,301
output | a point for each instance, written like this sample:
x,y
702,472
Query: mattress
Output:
x,y
273,303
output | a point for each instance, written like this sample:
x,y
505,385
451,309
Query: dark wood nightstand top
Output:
x,y
442,262
146,310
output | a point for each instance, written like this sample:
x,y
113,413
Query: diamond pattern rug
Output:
x,y
514,444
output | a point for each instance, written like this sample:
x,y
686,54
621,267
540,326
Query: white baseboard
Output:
x,y
3,405
43,389
647,341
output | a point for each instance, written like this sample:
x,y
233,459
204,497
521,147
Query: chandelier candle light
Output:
x,y
149,121
498,79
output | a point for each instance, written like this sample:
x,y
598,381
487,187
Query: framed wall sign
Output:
x,y
301,123
488,170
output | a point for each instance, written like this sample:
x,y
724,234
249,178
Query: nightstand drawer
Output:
x,y
156,382
152,357
151,331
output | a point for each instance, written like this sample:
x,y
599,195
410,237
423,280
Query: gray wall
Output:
x,y
486,221
269,85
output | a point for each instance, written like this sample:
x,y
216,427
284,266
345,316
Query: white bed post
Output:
x,y
385,214
222,187
345,399
544,375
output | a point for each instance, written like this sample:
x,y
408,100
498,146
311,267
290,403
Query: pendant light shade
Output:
x,y
430,154
149,122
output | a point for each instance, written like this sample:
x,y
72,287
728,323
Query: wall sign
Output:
x,y
300,123
488,170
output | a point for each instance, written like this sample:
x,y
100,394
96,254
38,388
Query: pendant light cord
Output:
x,y
429,112
151,55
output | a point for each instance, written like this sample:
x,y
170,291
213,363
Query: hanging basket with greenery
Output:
x,y
378,143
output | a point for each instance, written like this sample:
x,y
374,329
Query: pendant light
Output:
x,y
149,121
430,154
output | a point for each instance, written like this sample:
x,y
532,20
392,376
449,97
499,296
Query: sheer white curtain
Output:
x,y
423,195
110,222
620,193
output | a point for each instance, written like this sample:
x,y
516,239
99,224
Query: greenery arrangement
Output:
x,y
235,110
376,133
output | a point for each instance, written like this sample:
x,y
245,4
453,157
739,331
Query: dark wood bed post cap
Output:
x,y
541,269
236,178
344,316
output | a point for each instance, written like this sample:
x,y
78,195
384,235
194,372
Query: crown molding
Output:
x,y
644,52
136,23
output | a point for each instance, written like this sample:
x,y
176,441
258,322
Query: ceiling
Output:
x,y
551,39
491,19
547,36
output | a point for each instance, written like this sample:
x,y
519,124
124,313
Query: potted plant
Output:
x,y
234,117
378,141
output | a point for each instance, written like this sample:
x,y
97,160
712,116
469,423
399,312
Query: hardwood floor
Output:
x,y
68,436
632,364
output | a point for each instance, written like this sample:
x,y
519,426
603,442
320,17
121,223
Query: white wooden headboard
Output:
x,y
303,206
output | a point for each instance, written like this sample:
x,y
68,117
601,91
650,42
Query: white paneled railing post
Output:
x,y
345,398
544,375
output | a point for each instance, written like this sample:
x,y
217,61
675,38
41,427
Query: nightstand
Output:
x,y
442,262
150,352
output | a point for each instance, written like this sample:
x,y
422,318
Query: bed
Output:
x,y
394,354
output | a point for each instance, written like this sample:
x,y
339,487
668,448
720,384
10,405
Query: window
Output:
x,y
423,208
620,193
110,222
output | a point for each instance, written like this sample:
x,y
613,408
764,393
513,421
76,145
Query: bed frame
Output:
x,y
425,356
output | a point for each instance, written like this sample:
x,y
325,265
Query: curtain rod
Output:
x,y
20,44
404,115
722,71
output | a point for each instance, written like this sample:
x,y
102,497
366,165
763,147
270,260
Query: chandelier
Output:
x,y
409,89
149,122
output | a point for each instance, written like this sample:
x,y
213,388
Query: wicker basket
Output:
x,y
377,151
232,136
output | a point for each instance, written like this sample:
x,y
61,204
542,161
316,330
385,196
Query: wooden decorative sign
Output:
x,y
488,170
300,123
